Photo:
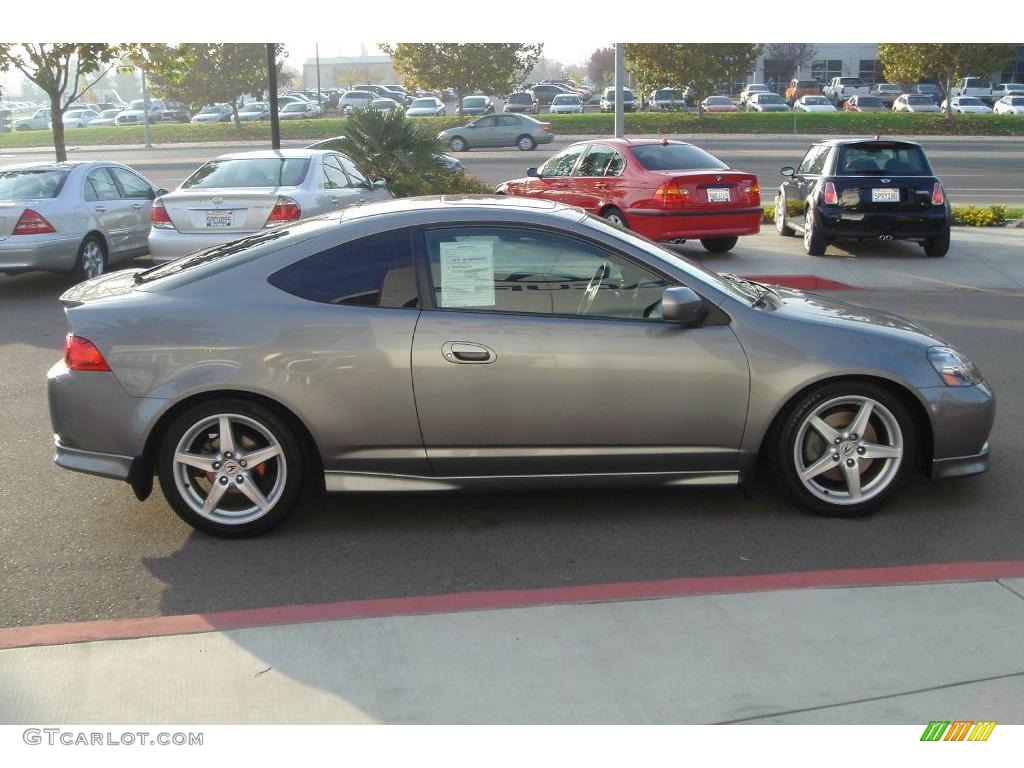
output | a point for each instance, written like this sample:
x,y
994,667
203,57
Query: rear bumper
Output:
x,y
43,252
672,225
837,223
92,463
168,244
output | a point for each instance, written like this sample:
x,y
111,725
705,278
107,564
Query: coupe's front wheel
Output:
x,y
845,449
231,468
780,216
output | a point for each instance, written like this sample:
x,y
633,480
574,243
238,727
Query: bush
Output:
x,y
972,216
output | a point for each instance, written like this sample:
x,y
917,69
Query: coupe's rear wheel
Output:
x,y
526,143
937,246
719,244
815,243
845,449
92,258
615,216
458,144
231,468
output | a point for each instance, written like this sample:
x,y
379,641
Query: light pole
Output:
x,y
145,105
275,123
620,77
319,100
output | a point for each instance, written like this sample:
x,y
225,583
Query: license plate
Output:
x,y
885,195
218,218
718,195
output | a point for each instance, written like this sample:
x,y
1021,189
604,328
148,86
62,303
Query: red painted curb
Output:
x,y
802,282
158,626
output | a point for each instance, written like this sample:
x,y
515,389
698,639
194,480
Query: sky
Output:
x,y
569,52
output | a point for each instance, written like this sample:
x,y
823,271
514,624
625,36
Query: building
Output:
x,y
347,71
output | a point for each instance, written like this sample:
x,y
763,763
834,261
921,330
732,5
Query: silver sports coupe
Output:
x,y
431,344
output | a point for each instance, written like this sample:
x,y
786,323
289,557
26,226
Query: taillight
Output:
x,y
670,194
754,193
82,355
32,223
938,195
159,217
285,210
831,198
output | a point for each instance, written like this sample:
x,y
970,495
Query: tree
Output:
x,y
700,66
601,67
464,67
945,62
789,57
64,72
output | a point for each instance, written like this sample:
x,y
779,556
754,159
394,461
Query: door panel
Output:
x,y
115,215
140,194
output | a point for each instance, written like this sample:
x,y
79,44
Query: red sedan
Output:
x,y
665,190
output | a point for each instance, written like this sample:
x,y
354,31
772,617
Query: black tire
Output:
x,y
526,142
815,243
615,216
780,216
86,266
458,144
937,247
783,448
719,244
293,459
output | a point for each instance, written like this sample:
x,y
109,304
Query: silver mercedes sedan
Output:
x,y
244,193
432,344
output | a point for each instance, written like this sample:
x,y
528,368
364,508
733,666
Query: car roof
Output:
x,y
271,153
458,203
867,140
67,165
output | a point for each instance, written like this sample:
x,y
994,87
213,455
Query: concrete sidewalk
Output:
x,y
904,654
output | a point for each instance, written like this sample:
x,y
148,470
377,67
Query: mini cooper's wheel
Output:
x,y
458,144
92,258
845,449
526,143
815,243
719,244
780,216
937,246
231,468
615,216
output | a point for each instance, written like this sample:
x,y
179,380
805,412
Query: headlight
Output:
x,y
953,368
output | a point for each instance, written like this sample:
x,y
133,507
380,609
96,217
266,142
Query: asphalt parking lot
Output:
x,y
74,547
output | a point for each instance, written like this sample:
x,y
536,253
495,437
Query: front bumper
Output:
x,y
672,225
44,252
168,244
961,419
835,222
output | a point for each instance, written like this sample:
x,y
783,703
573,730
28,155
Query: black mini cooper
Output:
x,y
861,189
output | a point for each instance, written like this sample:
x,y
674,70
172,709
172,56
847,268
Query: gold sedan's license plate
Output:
x,y
885,195
718,195
218,218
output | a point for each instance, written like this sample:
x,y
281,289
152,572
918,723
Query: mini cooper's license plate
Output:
x,y
218,218
885,195
718,195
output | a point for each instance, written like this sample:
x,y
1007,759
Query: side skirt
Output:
x,y
366,482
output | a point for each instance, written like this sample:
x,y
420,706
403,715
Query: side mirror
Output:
x,y
380,183
787,170
533,172
681,305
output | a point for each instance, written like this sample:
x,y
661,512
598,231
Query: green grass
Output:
x,y
589,124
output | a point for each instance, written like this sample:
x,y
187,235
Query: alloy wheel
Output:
x,y
92,259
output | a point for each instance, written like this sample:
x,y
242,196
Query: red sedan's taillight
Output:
x,y
82,355
285,210
753,191
671,195
32,223
831,198
938,195
159,217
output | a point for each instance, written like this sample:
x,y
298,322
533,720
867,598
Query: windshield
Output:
x,y
384,103
256,107
806,83
675,157
31,183
969,101
888,88
769,98
881,159
667,94
715,100
249,172
75,113
137,104
815,100
520,98
869,101
429,103
566,100
919,100
849,81
474,101
110,113
976,82
1017,101
295,106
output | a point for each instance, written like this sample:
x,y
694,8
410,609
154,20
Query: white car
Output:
x,y
106,118
300,110
811,103
40,121
566,104
385,105
213,113
135,114
750,89
766,102
246,193
916,103
79,118
967,105
1007,89
1010,105
978,87
254,110
426,106
355,100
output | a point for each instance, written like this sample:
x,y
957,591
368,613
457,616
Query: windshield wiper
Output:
x,y
760,291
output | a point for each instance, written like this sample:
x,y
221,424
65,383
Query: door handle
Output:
x,y
137,206
467,352
100,208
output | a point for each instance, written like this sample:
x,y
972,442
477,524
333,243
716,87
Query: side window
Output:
x,y
334,176
506,269
600,161
563,163
376,271
508,121
99,185
486,122
808,162
134,188
819,161
354,174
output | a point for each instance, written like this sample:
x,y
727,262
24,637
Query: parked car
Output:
x,y
383,92
247,193
887,92
428,106
664,190
135,114
930,90
666,100
254,110
1010,105
857,103
78,217
967,105
608,100
522,101
106,118
355,100
40,121
915,102
798,88
477,105
719,104
501,130
814,104
385,105
840,89
175,112
751,88
766,102
977,87
384,367
79,118
300,110
544,93
566,104
214,113
1007,89
864,189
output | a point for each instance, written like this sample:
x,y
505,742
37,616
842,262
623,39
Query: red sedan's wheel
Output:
x,y
615,216
719,244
